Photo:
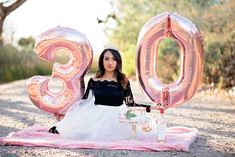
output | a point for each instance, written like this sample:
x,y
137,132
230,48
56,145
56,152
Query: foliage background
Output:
x,y
214,18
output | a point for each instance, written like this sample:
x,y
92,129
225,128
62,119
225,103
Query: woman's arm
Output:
x,y
129,100
89,87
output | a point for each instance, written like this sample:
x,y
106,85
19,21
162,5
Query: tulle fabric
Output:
x,y
87,121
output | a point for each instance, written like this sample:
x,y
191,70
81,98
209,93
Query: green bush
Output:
x,y
220,64
129,59
16,64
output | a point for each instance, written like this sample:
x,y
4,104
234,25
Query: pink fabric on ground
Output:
x,y
178,138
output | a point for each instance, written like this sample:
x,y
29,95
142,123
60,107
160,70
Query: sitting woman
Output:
x,y
97,115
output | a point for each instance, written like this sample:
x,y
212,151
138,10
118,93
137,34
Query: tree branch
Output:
x,y
14,6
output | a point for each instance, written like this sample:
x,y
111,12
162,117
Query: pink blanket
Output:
x,y
178,138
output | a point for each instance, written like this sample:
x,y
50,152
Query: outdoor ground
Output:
x,y
212,113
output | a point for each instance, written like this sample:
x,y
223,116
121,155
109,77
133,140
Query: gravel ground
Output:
x,y
212,113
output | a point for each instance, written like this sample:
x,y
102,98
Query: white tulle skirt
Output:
x,y
87,121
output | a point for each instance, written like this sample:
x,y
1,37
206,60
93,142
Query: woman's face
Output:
x,y
109,61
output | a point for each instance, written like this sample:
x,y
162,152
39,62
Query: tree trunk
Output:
x,y
5,11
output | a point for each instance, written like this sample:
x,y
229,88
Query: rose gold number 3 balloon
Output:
x,y
185,33
71,73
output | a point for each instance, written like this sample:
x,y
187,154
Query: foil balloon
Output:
x,y
189,39
71,73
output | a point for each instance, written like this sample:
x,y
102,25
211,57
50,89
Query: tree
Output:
x,y
5,11
214,18
220,44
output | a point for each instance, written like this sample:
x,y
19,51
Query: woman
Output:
x,y
96,116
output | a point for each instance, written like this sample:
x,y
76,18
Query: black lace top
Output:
x,y
111,93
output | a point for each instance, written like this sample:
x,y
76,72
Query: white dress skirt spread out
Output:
x,y
88,121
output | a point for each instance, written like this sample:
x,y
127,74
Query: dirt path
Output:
x,y
212,115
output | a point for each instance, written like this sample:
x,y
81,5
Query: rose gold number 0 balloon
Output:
x,y
185,33
71,73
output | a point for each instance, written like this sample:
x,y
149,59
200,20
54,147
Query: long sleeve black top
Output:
x,y
111,93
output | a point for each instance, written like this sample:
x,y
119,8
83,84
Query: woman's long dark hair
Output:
x,y
121,77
